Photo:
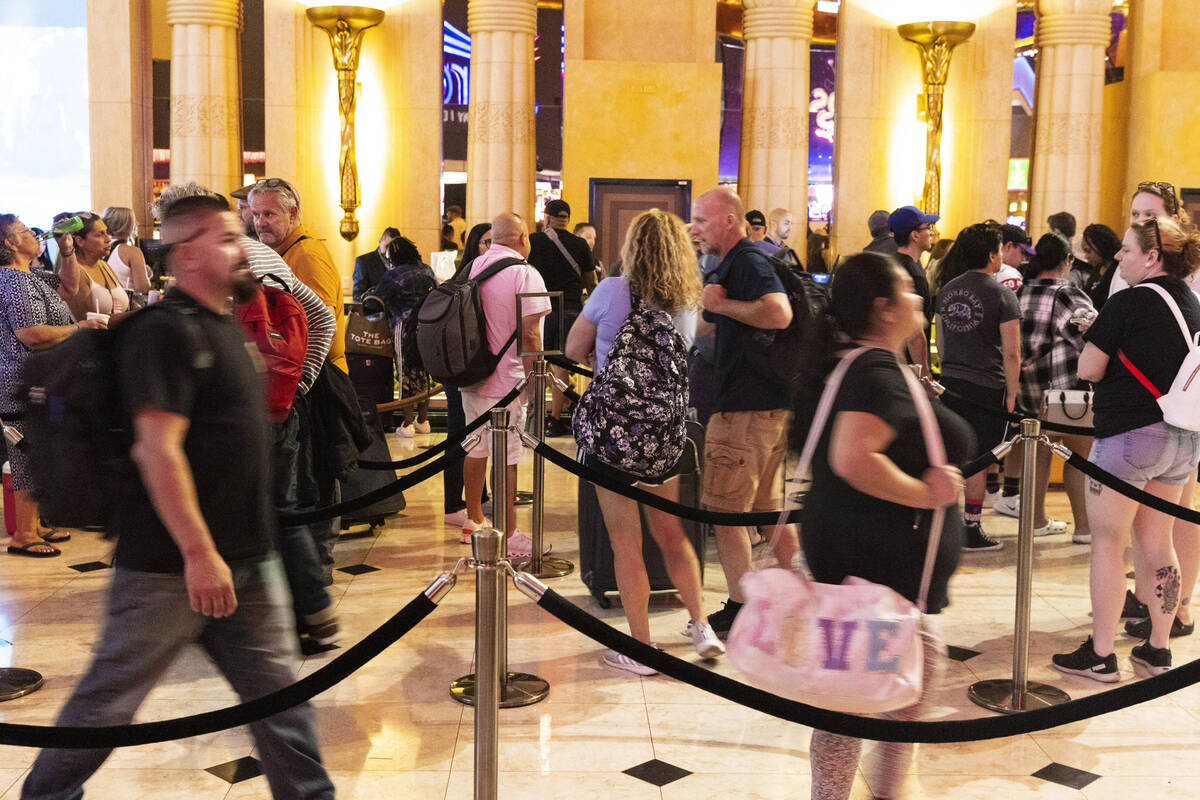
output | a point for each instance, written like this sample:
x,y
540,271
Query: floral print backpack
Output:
x,y
632,415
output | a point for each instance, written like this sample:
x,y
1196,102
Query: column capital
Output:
x,y
518,16
769,18
1073,22
226,13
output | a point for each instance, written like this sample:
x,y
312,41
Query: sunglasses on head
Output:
x,y
1161,189
278,183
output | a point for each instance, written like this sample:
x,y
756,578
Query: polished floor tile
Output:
x,y
391,729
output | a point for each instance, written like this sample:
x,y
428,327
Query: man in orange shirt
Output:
x,y
275,205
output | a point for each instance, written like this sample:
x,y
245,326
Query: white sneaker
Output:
x,y
470,527
405,431
1052,526
520,545
1009,506
704,639
422,427
459,519
621,661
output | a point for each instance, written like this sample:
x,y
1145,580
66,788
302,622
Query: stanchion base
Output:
x,y
551,567
519,689
997,695
17,682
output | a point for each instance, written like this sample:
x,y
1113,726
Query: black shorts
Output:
x,y
570,312
686,463
982,407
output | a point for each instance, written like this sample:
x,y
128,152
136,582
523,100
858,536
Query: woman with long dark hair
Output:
x,y
873,487
1100,245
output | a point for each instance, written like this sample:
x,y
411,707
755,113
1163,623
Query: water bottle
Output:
x,y
68,225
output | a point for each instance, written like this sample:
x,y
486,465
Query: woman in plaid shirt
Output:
x,y
1051,341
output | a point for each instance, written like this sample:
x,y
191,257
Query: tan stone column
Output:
x,y
773,164
206,118
120,108
1071,37
500,126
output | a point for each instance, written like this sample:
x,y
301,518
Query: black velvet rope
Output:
x,y
444,445
653,500
882,730
371,498
1014,417
210,721
570,366
979,464
1121,487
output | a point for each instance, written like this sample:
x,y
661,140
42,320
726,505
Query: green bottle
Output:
x,y
68,225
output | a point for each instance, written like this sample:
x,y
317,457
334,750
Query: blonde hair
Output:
x,y
1179,250
659,262
120,223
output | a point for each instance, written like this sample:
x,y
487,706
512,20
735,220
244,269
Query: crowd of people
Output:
x,y
1004,322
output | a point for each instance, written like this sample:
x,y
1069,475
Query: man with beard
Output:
x,y
194,558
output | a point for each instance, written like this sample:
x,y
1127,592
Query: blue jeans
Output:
x,y
297,544
149,620
1158,452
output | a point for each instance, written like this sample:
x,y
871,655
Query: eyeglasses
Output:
x,y
278,183
1161,189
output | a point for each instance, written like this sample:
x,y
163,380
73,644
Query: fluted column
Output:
x,y
501,158
1071,37
773,165
206,119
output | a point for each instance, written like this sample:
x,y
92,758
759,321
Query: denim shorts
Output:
x,y
1158,452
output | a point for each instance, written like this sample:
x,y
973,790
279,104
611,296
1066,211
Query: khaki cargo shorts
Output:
x,y
743,453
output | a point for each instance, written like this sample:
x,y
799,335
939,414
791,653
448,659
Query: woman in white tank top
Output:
x,y
126,259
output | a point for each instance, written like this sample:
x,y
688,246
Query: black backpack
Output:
x,y
77,434
452,329
779,355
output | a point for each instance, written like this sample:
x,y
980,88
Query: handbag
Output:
x,y
1067,407
853,647
368,335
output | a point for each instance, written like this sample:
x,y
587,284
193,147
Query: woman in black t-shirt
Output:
x,y
1137,331
869,508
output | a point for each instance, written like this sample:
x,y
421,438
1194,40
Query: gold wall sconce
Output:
x,y
346,26
936,41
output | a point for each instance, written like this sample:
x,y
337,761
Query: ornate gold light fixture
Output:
x,y
936,40
346,26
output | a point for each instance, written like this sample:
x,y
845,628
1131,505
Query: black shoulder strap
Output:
x,y
277,279
502,264
293,244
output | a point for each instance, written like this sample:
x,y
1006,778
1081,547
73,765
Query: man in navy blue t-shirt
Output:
x,y
747,436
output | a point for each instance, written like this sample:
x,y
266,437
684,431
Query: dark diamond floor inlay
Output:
x,y
961,653
657,772
358,569
1065,776
238,770
89,566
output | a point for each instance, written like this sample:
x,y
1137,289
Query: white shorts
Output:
x,y
475,404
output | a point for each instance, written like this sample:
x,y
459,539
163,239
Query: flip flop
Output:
x,y
27,550
55,535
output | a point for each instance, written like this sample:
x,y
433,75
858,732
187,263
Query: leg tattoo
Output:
x,y
1167,589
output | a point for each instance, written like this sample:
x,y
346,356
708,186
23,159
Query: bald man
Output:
x,y
510,248
747,436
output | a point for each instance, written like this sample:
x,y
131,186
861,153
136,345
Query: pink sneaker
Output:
x,y
521,545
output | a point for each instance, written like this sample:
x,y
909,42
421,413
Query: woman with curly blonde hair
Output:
x,y
659,267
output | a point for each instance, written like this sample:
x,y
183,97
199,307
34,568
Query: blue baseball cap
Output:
x,y
906,219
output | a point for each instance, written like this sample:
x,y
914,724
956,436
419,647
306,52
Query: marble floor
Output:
x,y
391,729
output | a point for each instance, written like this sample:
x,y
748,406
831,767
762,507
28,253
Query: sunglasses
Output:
x,y
278,183
1157,235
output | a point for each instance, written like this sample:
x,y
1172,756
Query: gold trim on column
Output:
x,y
936,41
346,26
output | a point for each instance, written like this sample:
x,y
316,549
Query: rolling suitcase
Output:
x,y
595,550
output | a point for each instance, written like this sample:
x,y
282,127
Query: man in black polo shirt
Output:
x,y
195,560
746,438
565,263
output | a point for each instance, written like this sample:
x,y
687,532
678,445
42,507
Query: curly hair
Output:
x,y
658,261
7,254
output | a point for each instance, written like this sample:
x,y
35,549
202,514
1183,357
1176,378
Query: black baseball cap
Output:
x,y
555,208
756,219
1015,234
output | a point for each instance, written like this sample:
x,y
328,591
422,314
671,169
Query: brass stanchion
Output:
x,y
492,686
1019,694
